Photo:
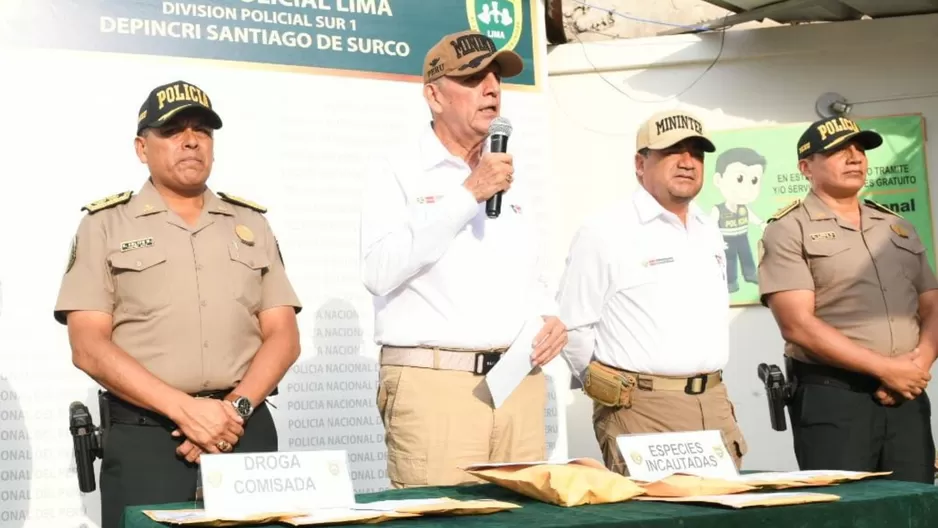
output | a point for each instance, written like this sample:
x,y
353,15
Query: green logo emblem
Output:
x,y
500,20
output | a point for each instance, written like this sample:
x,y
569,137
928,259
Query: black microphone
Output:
x,y
499,131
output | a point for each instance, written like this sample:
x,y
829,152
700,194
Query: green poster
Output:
x,y
754,173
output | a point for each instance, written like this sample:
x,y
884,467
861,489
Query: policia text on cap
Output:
x,y
178,304
850,285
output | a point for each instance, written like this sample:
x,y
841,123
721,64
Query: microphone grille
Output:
x,y
500,126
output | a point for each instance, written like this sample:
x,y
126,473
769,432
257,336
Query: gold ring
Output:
x,y
223,446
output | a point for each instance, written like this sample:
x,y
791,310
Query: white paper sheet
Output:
x,y
179,515
514,364
741,500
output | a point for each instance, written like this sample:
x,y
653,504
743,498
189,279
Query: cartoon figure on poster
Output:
x,y
738,177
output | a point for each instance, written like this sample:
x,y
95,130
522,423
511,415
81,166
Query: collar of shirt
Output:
x,y
149,201
818,210
647,208
433,153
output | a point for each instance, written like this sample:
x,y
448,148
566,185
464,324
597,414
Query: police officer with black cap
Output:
x,y
851,288
178,304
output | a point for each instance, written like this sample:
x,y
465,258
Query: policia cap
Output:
x,y
831,134
169,99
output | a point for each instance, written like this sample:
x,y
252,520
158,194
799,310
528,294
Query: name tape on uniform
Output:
x,y
238,484
651,457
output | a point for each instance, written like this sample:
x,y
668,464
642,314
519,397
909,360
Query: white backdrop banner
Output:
x,y
311,93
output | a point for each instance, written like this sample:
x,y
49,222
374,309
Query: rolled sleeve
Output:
x,y
582,293
783,266
276,289
87,284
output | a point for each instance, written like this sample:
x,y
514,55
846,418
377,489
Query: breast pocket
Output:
x,y
829,258
909,254
248,265
140,280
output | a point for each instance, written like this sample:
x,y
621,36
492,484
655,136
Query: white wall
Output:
x,y
764,76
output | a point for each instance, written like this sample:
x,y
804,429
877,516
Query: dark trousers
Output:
x,y
737,247
842,428
140,465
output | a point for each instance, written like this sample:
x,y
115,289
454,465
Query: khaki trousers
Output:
x,y
437,421
667,411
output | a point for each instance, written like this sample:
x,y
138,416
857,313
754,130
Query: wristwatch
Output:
x,y
243,406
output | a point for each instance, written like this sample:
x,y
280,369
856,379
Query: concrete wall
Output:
x,y
764,77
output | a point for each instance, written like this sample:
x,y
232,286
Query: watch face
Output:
x,y
244,406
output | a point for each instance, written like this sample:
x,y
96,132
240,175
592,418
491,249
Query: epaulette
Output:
x,y
241,201
110,201
784,211
880,207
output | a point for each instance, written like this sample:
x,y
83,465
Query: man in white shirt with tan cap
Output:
x,y
453,288
644,298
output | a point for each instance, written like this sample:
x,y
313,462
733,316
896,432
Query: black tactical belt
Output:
x,y
812,374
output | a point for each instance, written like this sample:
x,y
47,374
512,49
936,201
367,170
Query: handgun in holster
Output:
x,y
778,391
88,439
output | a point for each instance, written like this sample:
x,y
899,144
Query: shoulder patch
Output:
x,y
881,207
242,202
110,201
784,211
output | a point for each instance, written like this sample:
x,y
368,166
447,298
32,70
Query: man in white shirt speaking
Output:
x,y
453,288
644,298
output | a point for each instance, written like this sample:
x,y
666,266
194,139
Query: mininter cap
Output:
x,y
169,99
828,135
667,128
465,53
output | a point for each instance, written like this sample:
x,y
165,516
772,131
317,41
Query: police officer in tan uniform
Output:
x,y
850,286
178,304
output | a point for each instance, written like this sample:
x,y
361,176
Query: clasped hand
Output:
x,y
205,424
905,377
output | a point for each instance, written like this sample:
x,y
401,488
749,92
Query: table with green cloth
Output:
x,y
863,504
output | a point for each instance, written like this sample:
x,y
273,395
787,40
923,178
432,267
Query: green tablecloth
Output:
x,y
863,504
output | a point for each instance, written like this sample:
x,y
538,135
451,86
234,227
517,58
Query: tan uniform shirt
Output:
x,y
184,299
866,282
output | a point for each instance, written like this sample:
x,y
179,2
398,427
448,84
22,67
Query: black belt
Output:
x,y
813,374
123,412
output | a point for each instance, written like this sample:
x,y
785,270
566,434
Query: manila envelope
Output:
x,y
458,507
198,518
692,486
347,516
749,500
803,479
577,482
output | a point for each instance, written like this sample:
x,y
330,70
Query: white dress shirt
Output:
x,y
645,293
442,273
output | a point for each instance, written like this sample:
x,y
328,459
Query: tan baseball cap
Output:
x,y
666,128
465,53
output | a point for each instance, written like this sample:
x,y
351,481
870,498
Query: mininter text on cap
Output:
x,y
465,53
666,128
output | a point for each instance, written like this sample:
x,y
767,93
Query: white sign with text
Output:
x,y
651,457
239,484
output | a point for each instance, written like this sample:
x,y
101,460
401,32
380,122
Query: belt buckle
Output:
x,y
484,361
689,388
